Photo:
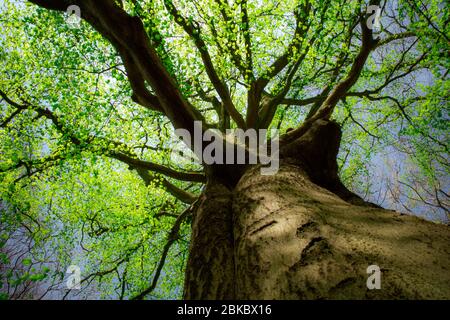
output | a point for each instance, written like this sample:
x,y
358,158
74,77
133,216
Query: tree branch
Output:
x,y
340,90
128,159
157,168
257,87
172,237
128,36
194,32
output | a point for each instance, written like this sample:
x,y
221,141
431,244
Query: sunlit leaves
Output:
x,y
58,184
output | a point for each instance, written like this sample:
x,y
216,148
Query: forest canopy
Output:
x,y
88,172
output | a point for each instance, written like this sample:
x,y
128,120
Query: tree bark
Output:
x,y
287,236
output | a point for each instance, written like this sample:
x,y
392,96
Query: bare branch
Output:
x,y
172,237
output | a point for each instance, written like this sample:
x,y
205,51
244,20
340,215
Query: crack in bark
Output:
x,y
263,227
309,226
314,250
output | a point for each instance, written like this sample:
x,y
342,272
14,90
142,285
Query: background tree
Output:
x,y
87,136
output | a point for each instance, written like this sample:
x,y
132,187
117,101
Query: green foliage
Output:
x,y
79,206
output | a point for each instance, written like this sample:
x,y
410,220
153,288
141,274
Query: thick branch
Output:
x,y
341,89
368,44
127,35
157,168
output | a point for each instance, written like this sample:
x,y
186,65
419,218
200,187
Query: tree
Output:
x,y
80,105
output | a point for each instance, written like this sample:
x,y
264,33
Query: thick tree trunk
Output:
x,y
285,237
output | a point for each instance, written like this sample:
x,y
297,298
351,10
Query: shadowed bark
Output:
x,y
210,267
296,240
286,236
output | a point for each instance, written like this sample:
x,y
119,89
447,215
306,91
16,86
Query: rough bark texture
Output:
x,y
287,236
296,240
210,267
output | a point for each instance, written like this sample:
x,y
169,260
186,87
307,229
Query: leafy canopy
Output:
x,y
87,173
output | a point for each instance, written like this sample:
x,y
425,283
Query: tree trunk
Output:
x,y
286,237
